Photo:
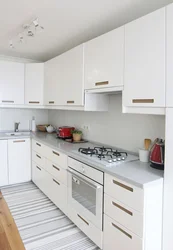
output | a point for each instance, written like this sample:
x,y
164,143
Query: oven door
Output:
x,y
86,197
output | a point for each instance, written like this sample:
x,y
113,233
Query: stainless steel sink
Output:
x,y
17,133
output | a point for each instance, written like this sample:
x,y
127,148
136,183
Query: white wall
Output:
x,y
113,128
9,116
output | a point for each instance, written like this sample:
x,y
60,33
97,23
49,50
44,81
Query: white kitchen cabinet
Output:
x,y
3,164
11,82
50,82
34,83
168,184
19,160
64,79
104,60
169,55
144,76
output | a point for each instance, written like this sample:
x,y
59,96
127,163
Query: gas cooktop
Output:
x,y
106,156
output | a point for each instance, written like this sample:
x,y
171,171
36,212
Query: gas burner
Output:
x,y
88,151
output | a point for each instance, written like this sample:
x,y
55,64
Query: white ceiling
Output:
x,y
67,23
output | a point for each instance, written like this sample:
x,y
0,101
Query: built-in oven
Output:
x,y
85,191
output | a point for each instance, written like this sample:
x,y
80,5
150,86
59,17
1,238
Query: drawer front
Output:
x,y
124,215
56,157
38,147
86,226
86,170
38,158
56,171
124,192
116,236
39,176
58,193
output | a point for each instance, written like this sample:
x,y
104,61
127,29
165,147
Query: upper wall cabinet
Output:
x,y
34,82
144,79
104,60
64,79
169,56
11,82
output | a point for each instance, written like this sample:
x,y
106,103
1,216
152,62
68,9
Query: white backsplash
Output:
x,y
9,116
113,128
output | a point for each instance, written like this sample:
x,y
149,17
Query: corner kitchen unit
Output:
x,y
96,193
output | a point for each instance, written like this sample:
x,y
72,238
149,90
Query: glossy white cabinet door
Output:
x,y
50,82
169,55
19,160
104,60
34,82
11,82
70,77
3,164
144,79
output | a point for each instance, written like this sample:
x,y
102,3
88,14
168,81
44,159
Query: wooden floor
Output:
x,y
9,235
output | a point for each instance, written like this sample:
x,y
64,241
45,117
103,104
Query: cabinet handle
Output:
x,y
56,182
55,153
122,208
143,100
122,185
38,168
70,102
38,144
86,222
19,141
121,230
7,101
101,83
51,102
38,156
34,102
55,167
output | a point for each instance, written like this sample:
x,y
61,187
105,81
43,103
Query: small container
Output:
x,y
144,155
33,124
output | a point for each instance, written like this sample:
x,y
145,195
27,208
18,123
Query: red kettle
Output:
x,y
157,155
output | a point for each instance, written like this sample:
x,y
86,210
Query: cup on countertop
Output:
x,y
144,155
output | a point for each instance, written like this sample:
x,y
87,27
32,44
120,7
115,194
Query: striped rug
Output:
x,y
41,224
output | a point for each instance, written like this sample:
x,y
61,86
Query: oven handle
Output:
x,y
89,182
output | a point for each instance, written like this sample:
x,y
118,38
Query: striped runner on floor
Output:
x,y
42,226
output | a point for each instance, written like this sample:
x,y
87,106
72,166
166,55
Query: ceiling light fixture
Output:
x,y
29,30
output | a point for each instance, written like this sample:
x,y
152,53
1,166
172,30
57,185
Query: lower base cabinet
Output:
x,y
3,163
87,227
19,160
118,237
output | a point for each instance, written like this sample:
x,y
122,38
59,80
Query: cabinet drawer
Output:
x,y
38,158
39,177
116,236
58,193
55,170
38,147
124,192
123,214
86,226
56,157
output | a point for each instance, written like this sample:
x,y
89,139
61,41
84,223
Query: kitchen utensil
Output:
x,y
50,129
147,143
144,155
65,132
157,154
42,128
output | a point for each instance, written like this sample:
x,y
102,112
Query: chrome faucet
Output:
x,y
16,126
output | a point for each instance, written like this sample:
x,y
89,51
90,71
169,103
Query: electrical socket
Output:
x,y
86,128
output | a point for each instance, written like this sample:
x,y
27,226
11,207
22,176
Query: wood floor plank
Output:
x,y
9,234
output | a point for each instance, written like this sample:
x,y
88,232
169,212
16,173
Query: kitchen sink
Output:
x,y
17,133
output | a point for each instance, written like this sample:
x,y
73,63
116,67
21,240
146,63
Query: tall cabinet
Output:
x,y
144,75
3,163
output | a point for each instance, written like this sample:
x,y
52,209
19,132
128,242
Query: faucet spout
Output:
x,y
16,126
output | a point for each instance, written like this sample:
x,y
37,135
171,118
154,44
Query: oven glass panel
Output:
x,y
84,193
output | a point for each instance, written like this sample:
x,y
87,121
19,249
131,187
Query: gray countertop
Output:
x,y
137,173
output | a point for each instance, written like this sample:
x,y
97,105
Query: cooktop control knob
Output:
x,y
114,160
118,159
110,160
